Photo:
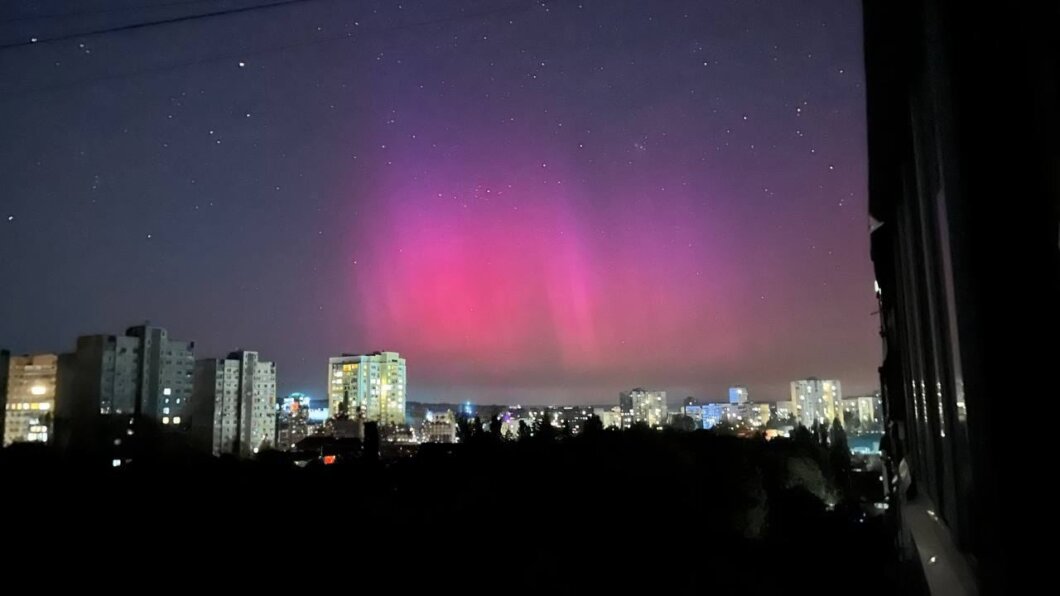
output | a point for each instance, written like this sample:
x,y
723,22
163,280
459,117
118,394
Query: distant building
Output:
x,y
30,403
370,386
292,420
439,427
5,356
642,405
783,410
695,412
866,412
235,404
713,413
609,417
738,395
111,381
816,400
575,416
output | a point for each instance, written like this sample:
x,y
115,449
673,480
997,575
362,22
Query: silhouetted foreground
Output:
x,y
605,511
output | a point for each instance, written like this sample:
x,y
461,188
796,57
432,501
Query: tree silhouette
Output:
x,y
593,425
496,425
683,423
463,428
524,431
567,432
839,452
804,436
371,441
543,429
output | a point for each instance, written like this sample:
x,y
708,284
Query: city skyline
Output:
x,y
548,204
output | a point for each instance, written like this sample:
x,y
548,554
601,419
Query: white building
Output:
x,y
31,383
439,427
642,405
371,386
738,395
816,400
866,409
609,417
235,404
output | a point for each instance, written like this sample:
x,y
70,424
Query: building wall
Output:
x,y
439,427
371,385
642,405
31,389
141,373
237,395
4,358
816,400
962,107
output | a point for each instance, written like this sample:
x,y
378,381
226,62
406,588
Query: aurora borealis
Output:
x,y
532,202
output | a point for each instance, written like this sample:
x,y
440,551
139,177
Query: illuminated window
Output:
x,y
38,390
165,420
167,391
176,420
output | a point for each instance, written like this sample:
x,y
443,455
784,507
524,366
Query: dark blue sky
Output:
x,y
533,201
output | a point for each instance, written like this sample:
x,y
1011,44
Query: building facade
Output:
x,y
816,400
738,395
863,413
439,427
642,405
30,408
371,386
5,356
292,421
235,402
140,373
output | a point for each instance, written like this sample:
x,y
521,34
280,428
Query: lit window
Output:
x,y
167,391
38,390
165,410
115,462
165,420
176,420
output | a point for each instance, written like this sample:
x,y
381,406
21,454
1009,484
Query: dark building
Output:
x,y
962,109
111,382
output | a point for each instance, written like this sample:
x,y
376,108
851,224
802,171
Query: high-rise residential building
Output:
x,y
609,417
30,407
713,413
292,423
642,405
816,400
439,427
865,411
369,386
235,404
738,395
142,372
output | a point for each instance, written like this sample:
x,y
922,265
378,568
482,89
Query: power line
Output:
x,y
319,40
145,24
98,11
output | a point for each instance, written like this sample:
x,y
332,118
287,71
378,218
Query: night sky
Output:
x,y
533,202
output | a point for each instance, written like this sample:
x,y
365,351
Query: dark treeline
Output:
x,y
669,512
